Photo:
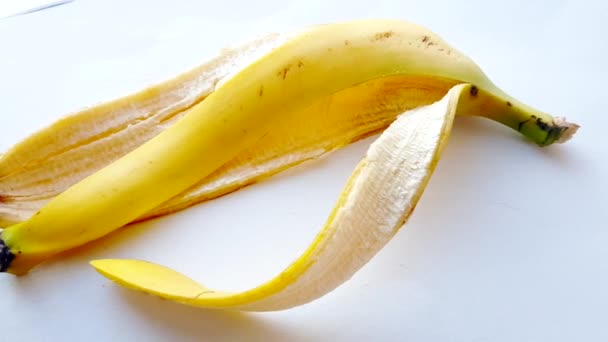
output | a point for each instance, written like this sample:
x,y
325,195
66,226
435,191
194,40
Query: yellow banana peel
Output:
x,y
256,110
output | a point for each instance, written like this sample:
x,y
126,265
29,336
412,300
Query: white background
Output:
x,y
509,242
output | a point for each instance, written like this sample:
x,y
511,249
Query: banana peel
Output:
x,y
45,164
223,119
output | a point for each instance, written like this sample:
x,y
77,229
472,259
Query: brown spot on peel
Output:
x,y
427,40
261,91
283,72
382,35
474,91
542,125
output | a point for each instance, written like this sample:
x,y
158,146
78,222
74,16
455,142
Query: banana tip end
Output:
x,y
6,256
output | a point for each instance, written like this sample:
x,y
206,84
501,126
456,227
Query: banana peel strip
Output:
x,y
377,200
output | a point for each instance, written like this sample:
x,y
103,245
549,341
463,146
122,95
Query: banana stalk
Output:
x,y
246,115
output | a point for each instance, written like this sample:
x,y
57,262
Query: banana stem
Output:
x,y
539,127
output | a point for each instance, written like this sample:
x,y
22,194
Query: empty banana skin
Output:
x,y
253,111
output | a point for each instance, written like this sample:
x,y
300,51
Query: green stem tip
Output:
x,y
537,126
548,130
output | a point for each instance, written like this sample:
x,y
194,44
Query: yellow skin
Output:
x,y
316,64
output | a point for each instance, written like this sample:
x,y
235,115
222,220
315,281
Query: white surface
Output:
x,y
509,242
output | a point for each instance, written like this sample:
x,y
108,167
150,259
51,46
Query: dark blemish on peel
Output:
x,y
553,131
284,71
542,125
241,108
521,124
346,42
244,131
6,256
261,92
383,35
427,40
300,64
225,120
509,104
474,91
